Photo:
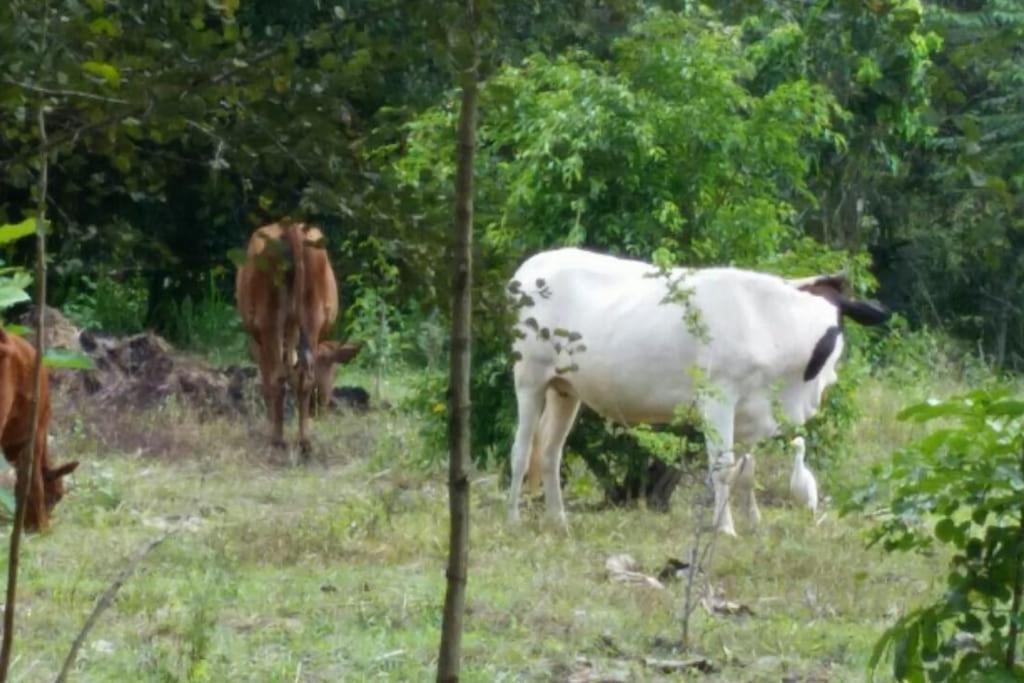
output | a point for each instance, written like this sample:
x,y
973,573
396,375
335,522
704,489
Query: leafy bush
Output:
x,y
961,486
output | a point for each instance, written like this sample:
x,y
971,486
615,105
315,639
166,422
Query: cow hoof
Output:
x,y
727,530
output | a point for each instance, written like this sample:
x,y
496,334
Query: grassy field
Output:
x,y
333,570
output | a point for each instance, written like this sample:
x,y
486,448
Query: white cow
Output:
x,y
599,330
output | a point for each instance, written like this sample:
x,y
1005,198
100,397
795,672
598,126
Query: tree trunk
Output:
x,y
459,399
26,459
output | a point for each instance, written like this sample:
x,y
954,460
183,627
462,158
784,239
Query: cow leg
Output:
x,y
274,379
530,404
718,419
747,498
304,394
555,422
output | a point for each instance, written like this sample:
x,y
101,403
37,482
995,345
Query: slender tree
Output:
x,y
459,399
26,460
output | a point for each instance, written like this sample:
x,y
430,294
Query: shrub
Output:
x,y
962,485
209,325
110,304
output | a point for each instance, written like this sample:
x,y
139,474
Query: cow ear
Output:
x,y
62,471
336,352
346,352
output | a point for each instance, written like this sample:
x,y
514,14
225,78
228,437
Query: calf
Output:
x,y
17,363
288,299
635,344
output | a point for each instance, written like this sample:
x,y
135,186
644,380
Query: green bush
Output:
x,y
961,486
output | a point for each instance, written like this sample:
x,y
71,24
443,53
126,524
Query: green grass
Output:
x,y
334,570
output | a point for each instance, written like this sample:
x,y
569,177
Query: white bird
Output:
x,y
802,484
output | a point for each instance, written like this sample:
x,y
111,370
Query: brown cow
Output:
x,y
17,362
288,299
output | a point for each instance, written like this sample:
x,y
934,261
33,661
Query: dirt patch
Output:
x,y
144,370
122,400
60,332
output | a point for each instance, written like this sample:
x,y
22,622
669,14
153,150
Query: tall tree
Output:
x,y
459,393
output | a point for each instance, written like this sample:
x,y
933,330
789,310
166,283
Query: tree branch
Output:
x,y
57,92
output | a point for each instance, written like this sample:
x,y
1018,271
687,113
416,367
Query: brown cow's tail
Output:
x,y
295,245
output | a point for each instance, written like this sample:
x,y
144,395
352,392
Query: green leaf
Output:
x,y
945,530
906,656
971,623
71,360
15,231
104,26
932,409
108,72
10,294
1008,407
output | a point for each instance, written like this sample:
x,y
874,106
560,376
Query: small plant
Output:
x,y
961,486
109,304
209,325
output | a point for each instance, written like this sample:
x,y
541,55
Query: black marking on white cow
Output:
x,y
822,350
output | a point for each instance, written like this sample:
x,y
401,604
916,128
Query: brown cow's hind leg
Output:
x,y
273,388
303,394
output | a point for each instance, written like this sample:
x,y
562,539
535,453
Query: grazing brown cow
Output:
x,y
288,299
17,362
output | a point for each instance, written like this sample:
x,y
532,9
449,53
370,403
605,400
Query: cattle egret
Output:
x,y
802,484
634,343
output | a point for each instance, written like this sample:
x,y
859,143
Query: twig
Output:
x,y
59,92
26,459
699,558
459,411
104,602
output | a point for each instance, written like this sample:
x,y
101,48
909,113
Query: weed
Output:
x,y
209,325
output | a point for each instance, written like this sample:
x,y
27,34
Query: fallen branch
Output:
x,y
104,602
668,666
